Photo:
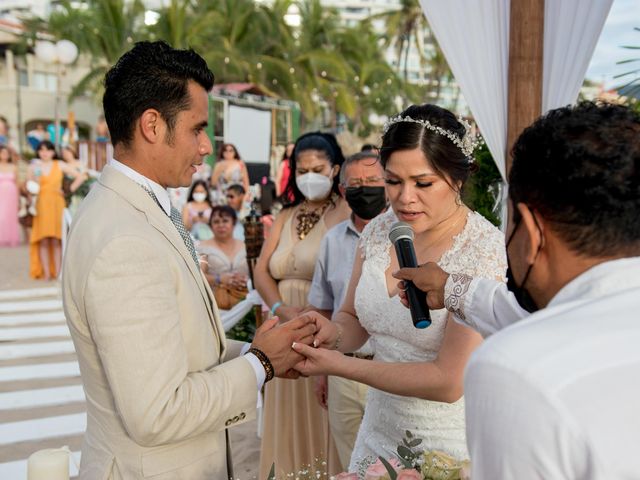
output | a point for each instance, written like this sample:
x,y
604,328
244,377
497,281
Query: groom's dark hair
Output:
x,y
150,75
579,167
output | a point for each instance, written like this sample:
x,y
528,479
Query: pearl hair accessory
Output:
x,y
467,144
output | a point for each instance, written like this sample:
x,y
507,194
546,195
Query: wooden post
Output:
x,y
526,51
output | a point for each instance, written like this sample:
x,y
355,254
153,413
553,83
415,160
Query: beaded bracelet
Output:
x,y
338,337
264,360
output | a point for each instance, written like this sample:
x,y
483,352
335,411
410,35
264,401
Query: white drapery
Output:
x,y
474,37
571,31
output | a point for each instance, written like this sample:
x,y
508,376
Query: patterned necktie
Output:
x,y
176,219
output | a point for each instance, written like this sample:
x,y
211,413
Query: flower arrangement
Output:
x,y
412,463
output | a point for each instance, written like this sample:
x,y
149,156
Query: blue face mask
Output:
x,y
524,299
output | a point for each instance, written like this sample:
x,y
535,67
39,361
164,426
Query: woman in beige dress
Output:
x,y
296,433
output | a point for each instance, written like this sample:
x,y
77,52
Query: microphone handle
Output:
x,y
417,298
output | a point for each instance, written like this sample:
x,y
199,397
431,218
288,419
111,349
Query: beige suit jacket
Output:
x,y
160,380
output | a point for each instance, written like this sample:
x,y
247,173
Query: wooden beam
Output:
x,y
526,48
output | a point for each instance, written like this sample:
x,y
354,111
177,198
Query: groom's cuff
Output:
x,y
261,375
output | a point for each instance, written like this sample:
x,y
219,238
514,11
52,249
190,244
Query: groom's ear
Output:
x,y
533,226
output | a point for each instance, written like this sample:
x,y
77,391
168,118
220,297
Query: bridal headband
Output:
x,y
467,144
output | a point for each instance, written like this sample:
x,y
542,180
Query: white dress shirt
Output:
x,y
557,395
162,195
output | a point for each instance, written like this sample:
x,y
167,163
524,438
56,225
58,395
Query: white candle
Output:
x,y
49,464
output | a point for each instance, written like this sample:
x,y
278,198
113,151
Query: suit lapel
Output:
x,y
158,219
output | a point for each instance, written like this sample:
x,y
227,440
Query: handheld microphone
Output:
x,y
401,235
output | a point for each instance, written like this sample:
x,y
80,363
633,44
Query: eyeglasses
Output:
x,y
359,182
230,197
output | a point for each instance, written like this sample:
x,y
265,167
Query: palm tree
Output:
x,y
404,27
103,31
632,87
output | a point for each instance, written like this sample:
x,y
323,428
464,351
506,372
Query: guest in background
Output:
x,y
75,190
9,194
102,130
229,169
4,131
284,169
226,266
368,147
35,136
296,430
197,211
46,232
235,196
362,184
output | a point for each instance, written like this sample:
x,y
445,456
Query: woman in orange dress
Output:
x,y
46,232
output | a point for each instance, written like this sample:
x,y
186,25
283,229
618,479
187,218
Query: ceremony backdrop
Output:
x,y
474,37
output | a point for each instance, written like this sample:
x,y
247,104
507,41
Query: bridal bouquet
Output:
x,y
412,463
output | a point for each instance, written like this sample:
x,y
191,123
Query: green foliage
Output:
x,y
479,191
324,65
245,329
632,87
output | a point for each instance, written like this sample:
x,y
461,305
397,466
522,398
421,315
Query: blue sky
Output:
x,y
618,30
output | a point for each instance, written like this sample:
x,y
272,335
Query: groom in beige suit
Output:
x,y
162,384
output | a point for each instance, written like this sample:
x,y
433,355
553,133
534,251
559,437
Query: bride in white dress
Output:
x,y
416,375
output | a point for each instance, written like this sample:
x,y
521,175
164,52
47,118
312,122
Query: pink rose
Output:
x,y
346,476
378,471
465,471
409,474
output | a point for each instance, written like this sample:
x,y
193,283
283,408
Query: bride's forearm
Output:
x,y
424,380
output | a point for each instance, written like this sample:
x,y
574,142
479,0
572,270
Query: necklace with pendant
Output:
x,y
307,218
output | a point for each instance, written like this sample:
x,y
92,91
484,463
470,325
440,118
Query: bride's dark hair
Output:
x,y
446,158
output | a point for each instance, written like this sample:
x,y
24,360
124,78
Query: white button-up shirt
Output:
x,y
557,395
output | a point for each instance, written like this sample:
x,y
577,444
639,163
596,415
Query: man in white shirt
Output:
x,y
161,381
556,394
362,184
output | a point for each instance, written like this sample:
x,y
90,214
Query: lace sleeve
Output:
x,y
374,239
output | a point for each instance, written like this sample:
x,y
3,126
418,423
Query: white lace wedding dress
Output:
x,y
478,251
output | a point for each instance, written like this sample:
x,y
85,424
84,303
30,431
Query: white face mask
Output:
x,y
314,186
200,197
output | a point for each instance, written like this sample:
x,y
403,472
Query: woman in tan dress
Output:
x,y
296,433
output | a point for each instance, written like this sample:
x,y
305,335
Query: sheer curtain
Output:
x,y
474,37
571,31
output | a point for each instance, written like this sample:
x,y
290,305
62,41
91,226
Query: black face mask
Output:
x,y
519,291
366,202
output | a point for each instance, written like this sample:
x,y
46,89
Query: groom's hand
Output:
x,y
276,341
429,278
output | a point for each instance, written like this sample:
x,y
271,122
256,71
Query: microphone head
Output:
x,y
400,230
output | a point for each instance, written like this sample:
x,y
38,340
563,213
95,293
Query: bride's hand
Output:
x,y
326,331
319,361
